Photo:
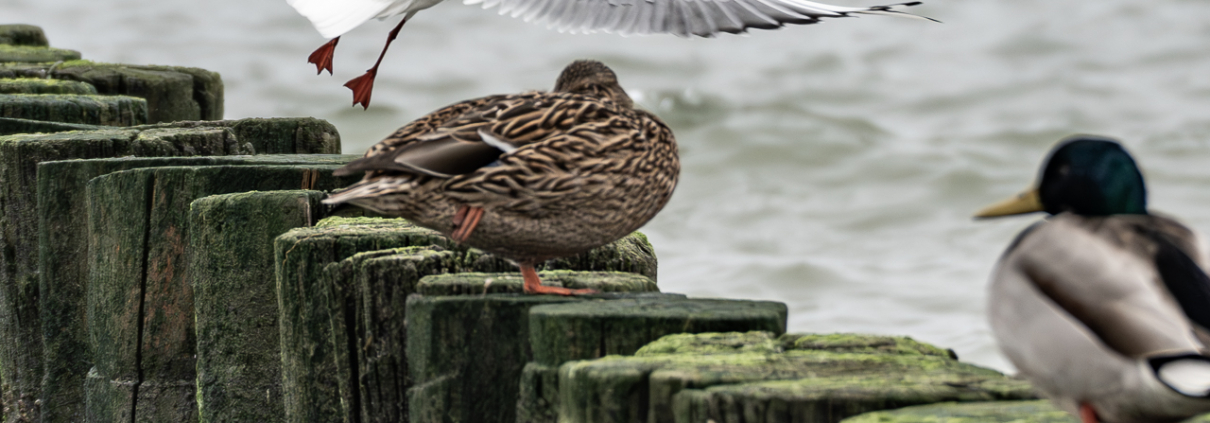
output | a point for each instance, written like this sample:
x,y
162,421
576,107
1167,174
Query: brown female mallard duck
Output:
x,y
1105,306
530,176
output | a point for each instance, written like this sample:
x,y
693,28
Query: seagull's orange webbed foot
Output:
x,y
465,221
1088,414
533,285
362,86
322,56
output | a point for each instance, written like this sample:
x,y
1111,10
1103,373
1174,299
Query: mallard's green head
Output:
x,y
1086,175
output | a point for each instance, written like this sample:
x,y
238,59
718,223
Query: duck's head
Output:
x,y
1086,175
590,77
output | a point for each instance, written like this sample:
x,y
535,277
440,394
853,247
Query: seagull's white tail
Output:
x,y
334,18
1189,375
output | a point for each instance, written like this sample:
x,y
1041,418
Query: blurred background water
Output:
x,y
833,167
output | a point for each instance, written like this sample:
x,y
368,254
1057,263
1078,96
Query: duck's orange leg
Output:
x,y
1088,414
363,85
533,285
322,56
465,221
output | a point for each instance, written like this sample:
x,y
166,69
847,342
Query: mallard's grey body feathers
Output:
x,y
1105,312
555,173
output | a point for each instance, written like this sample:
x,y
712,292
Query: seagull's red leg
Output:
x,y
533,285
322,56
465,221
1087,414
363,85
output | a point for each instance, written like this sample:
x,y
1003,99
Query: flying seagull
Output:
x,y
703,18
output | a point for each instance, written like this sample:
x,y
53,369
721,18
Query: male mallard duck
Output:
x,y
1103,306
333,18
530,176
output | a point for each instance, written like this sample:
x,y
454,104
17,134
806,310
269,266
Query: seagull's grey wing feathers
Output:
x,y
703,18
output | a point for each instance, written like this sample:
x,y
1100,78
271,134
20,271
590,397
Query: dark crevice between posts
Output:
x,y
138,352
350,321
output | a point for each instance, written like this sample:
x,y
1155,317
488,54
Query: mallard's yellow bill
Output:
x,y
1026,202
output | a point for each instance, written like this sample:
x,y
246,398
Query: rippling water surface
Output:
x,y
833,167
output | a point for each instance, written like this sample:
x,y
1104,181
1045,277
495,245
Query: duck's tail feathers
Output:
x,y
366,192
1188,374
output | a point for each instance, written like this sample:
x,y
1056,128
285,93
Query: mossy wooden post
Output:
x,y
62,233
469,338
21,360
307,303
31,54
374,287
140,304
379,283
10,126
342,284
757,378
104,110
1035,411
567,332
23,35
45,86
27,43
231,273
172,93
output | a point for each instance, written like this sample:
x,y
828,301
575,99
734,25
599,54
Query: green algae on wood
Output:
x,y
33,54
829,399
467,353
104,110
44,86
60,283
308,302
861,343
1036,411
713,343
382,280
23,35
172,93
468,283
756,384
141,305
10,126
562,333
323,274
231,273
63,257
581,331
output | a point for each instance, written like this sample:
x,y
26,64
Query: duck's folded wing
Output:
x,y
680,17
1113,293
442,158
334,18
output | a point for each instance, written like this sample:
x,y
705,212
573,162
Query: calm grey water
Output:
x,y
833,166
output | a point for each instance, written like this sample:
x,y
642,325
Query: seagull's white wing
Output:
x,y
333,18
681,17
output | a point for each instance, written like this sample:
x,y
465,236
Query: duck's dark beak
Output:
x,y
1025,202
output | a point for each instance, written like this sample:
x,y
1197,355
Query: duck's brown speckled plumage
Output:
x,y
587,168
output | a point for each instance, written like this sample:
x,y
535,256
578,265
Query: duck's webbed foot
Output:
x,y
465,221
533,285
322,56
1088,414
